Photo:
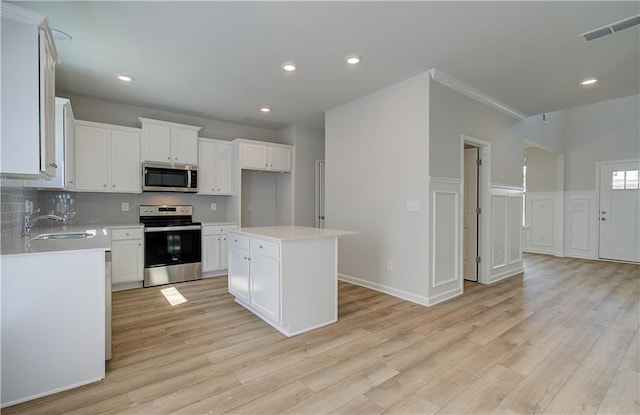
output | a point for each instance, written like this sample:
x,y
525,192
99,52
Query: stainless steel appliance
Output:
x,y
172,244
161,177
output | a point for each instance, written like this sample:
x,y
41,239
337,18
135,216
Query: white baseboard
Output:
x,y
507,274
418,299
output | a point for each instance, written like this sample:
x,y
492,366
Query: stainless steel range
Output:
x,y
172,244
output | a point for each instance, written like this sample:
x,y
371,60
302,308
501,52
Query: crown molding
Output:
x,y
445,79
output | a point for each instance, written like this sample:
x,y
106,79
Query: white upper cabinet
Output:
x,y
167,142
28,95
64,150
265,156
107,158
214,167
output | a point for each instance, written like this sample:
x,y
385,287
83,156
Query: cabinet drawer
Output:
x,y
240,241
267,248
217,229
119,234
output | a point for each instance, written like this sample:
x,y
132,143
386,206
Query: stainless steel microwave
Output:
x,y
160,177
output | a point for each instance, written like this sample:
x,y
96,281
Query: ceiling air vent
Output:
x,y
612,28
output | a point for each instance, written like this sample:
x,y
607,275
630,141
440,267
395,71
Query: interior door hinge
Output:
x,y
478,162
478,260
478,211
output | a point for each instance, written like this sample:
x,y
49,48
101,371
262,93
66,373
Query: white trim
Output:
x,y
507,274
507,188
414,298
446,180
451,82
436,299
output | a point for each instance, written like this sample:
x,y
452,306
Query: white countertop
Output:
x,y
283,233
101,241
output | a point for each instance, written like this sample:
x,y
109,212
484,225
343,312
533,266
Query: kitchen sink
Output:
x,y
64,235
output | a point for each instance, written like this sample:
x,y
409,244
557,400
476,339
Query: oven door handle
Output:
x,y
174,228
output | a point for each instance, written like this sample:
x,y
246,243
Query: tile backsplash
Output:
x,y
81,208
12,208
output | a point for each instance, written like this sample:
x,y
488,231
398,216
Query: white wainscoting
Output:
x,y
445,239
581,225
549,214
541,219
506,232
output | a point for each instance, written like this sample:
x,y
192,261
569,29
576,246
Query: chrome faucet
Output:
x,y
29,219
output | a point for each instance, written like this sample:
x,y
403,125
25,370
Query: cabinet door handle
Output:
x,y
260,246
104,185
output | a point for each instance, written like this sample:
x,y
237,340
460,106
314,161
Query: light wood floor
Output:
x,y
563,338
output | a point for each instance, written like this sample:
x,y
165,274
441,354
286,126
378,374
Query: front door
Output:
x,y
619,211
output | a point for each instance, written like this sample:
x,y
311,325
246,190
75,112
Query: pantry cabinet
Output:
x,y
167,142
265,156
107,158
214,247
127,255
214,167
28,147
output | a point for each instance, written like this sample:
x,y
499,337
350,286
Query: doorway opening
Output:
x,y
475,172
471,212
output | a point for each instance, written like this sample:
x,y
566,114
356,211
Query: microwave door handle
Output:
x,y
188,179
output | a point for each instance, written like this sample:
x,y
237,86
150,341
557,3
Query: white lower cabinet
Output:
x,y
214,247
254,275
239,268
286,275
127,255
265,285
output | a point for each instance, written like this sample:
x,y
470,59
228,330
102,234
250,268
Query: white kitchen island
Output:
x,y
286,275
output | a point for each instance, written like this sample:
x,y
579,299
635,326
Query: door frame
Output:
x,y
484,189
599,165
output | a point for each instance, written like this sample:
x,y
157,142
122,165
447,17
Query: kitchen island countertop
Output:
x,y
283,233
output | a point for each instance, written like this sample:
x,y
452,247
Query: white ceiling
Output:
x,y
222,60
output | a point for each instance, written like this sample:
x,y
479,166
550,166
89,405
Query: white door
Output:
x,y
470,214
92,158
619,211
211,253
280,159
320,194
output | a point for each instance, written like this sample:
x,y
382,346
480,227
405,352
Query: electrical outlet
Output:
x,y
413,206
389,266
214,206
28,206
125,206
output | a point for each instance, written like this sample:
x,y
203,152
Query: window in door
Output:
x,y
624,180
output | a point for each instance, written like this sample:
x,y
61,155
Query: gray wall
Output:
x,y
605,131
376,151
91,109
542,172
453,114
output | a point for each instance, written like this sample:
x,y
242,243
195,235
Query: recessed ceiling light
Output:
x,y
588,81
289,66
126,78
60,35
265,109
353,59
